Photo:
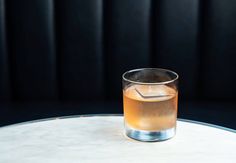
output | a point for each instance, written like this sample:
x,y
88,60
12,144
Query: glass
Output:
x,y
150,102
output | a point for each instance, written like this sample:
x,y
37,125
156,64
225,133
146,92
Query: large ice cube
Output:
x,y
154,91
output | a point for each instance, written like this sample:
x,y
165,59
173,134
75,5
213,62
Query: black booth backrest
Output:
x,y
78,49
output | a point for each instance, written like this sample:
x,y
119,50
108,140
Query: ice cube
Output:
x,y
154,91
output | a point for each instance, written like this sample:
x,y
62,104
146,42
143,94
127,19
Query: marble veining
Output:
x,y
101,139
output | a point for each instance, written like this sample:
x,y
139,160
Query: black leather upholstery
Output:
x,y
31,49
77,50
80,49
219,49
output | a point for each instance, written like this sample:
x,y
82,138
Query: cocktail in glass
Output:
x,y
150,99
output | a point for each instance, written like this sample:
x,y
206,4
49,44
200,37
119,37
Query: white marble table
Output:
x,y
101,139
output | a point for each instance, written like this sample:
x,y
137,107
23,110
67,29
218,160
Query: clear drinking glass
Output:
x,y
150,101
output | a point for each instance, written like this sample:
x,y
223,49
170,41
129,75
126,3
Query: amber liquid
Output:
x,y
150,108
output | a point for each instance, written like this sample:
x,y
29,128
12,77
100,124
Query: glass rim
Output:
x,y
151,83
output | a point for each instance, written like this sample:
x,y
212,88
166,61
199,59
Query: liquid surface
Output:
x,y
150,107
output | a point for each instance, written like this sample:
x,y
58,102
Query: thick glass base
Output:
x,y
150,136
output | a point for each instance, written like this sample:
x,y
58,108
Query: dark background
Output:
x,y
66,57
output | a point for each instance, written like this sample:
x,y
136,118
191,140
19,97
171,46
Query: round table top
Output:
x,y
102,139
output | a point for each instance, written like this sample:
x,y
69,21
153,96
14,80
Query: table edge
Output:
x,y
107,115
